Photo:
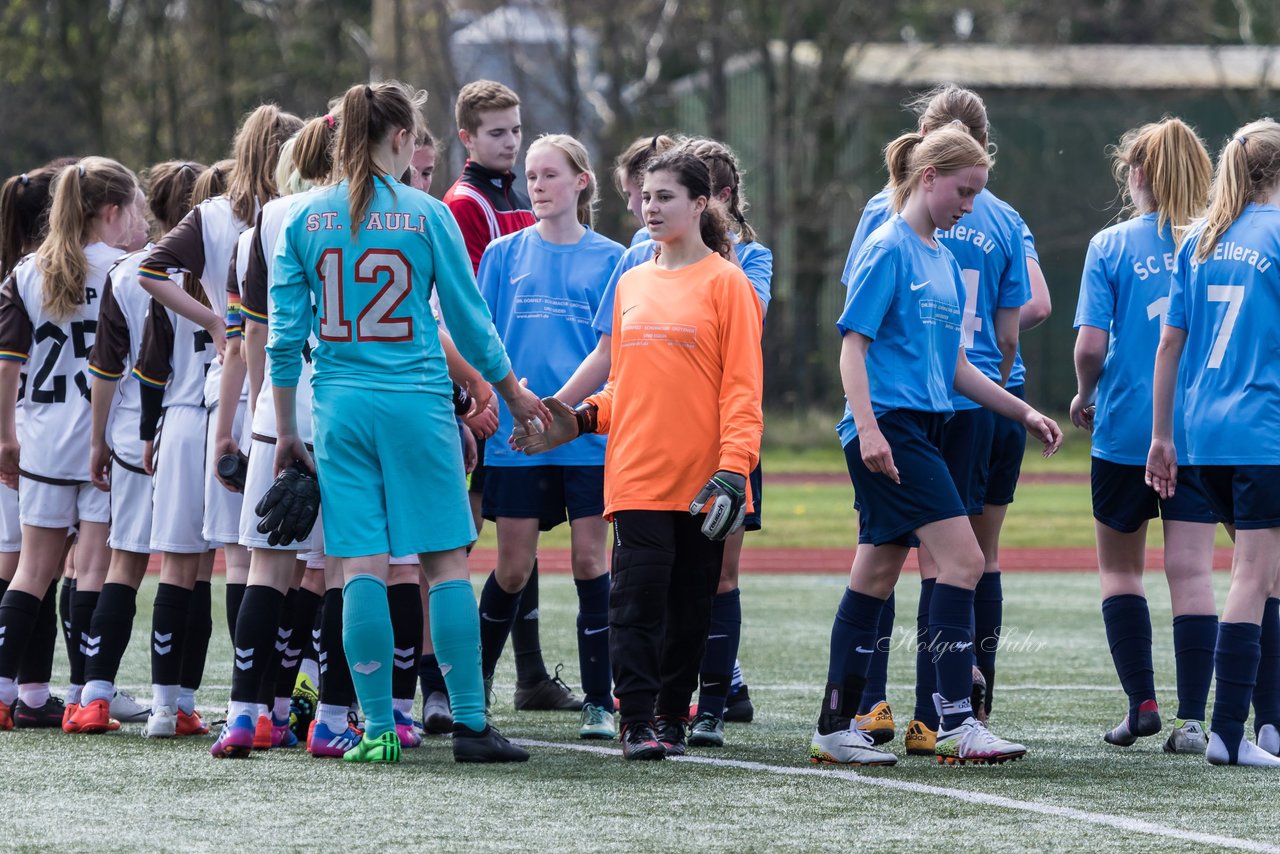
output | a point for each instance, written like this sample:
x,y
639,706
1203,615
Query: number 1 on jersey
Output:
x,y
376,321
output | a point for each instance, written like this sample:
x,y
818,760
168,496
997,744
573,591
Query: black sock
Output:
x,y
195,642
168,624
235,595
336,688
497,609
83,603
840,704
18,614
65,593
524,635
4,586
305,605
37,662
255,632
109,632
405,603
429,676
281,645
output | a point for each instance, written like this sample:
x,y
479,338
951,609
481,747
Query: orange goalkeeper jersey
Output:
x,y
683,397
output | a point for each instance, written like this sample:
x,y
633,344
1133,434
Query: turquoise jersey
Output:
x,y
370,293
1230,308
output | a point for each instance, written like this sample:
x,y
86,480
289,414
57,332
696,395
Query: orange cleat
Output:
x,y
68,714
92,719
6,717
310,731
190,724
262,733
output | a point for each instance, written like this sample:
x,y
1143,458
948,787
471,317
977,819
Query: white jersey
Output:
x,y
57,416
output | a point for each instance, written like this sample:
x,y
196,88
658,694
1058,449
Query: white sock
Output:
x,y
238,708
74,693
404,707
334,717
187,700
164,695
8,691
1268,738
96,689
280,712
263,711
34,694
311,669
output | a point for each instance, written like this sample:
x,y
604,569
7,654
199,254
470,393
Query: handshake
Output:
x,y
566,425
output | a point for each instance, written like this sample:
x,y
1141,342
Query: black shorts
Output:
x,y
545,493
1008,445
966,448
889,512
476,484
752,520
1122,500
1247,496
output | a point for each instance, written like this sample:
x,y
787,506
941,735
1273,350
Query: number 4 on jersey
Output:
x,y
376,321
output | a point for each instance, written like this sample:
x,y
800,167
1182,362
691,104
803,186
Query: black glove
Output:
x,y
289,508
461,400
727,492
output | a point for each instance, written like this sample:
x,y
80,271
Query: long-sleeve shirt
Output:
x,y
487,205
683,397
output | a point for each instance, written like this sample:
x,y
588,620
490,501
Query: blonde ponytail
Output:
x,y
1175,166
1248,169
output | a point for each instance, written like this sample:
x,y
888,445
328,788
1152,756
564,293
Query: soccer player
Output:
x,y
543,286
689,314
1124,292
982,449
628,176
369,251
1217,354
48,308
901,363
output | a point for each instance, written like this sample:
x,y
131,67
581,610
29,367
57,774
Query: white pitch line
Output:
x,y
1131,825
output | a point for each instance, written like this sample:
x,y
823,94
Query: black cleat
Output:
x,y
549,694
640,742
48,716
670,732
738,709
487,746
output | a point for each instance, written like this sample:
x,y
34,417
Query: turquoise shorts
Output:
x,y
390,469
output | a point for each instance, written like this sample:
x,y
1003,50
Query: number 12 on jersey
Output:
x,y
376,321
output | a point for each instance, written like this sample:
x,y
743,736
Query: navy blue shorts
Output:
x,y
966,447
1248,496
1008,445
752,520
1122,500
889,512
545,493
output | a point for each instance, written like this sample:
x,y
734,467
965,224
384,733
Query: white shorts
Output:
x,y
55,505
221,505
262,456
130,510
10,524
178,483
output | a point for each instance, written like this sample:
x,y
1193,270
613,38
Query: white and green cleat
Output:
x,y
597,723
972,743
385,748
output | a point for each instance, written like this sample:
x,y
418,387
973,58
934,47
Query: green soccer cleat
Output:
x,y
384,748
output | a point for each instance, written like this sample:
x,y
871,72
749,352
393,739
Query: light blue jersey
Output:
x,y
988,245
756,260
1230,376
907,298
543,297
1018,376
371,294
641,235
1124,291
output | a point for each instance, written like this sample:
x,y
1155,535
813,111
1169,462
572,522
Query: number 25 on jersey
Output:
x,y
376,321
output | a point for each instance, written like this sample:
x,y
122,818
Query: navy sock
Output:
x,y
235,595
168,623
18,614
497,612
853,638
525,639
1128,623
430,679
1194,637
722,649
195,641
405,603
593,641
109,632
1266,694
336,688
950,628
926,675
1236,666
257,625
988,613
875,691
37,661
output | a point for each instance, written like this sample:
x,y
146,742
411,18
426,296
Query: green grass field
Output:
x,y
1057,693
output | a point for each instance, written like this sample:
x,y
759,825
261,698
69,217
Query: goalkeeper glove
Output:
x,y
727,492
566,425
288,511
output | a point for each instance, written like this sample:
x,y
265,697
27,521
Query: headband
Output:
x,y
81,168
1242,139
23,179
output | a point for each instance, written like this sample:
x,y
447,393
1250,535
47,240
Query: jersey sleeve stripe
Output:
x,y
253,315
106,375
13,355
143,378
154,274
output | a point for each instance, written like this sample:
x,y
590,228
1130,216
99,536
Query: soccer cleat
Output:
x,y
383,749
437,716
851,746
489,745
1248,754
670,733
1269,739
973,743
48,716
235,741
92,719
1188,737
262,734
550,694
126,709
639,741
281,734
6,717
597,723
1128,732
738,709
190,724
877,723
978,696
68,712
353,720
920,740
407,732
302,706
324,743
161,723
707,730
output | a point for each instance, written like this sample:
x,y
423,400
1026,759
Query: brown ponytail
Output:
x,y
257,147
1248,169
370,112
949,103
24,208
313,148
212,182
692,174
170,186
722,164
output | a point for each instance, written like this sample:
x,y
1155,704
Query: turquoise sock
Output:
x,y
368,641
455,633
